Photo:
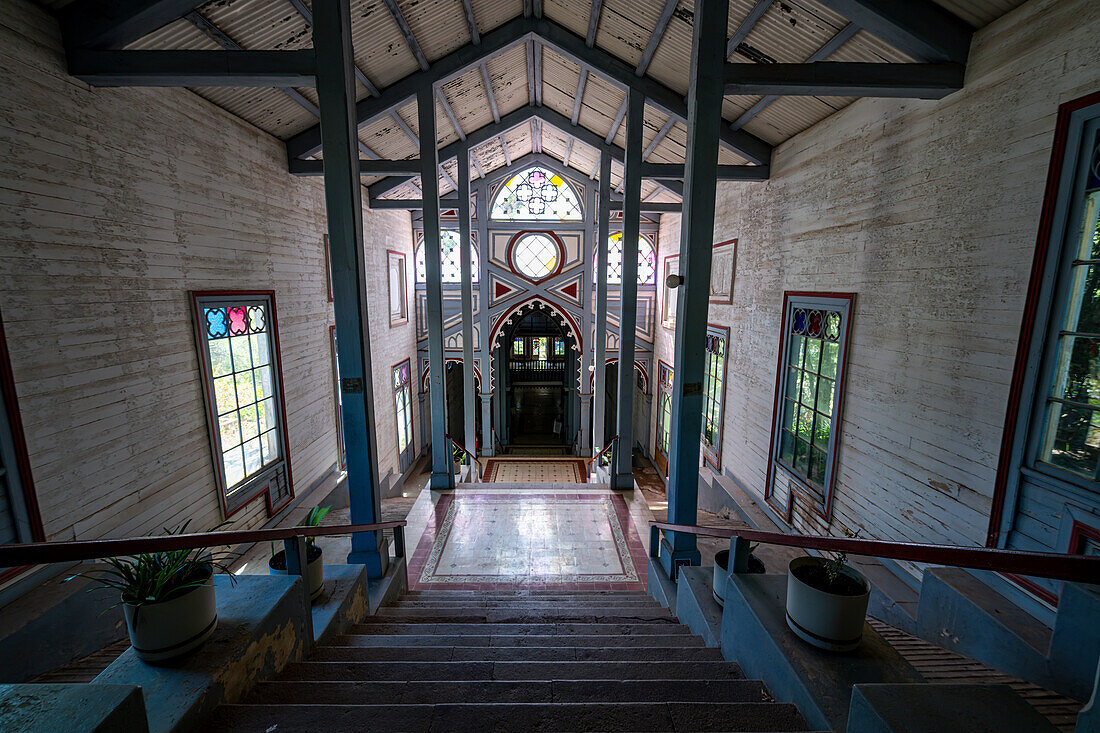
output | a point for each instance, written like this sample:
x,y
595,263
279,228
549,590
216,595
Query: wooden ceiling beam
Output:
x,y
661,134
488,84
104,25
617,122
835,79
314,167
193,68
593,23
450,113
921,28
307,15
406,33
578,98
746,25
471,22
656,36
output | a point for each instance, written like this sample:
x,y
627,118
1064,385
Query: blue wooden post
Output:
x,y
622,474
470,402
486,350
296,554
442,477
599,333
344,207
704,123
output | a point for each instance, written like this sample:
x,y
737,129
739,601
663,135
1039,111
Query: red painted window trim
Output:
x,y
826,512
23,463
733,276
523,233
264,488
405,289
1031,304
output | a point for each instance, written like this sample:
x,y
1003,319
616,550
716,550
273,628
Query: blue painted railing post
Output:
x,y
295,550
599,376
622,471
469,397
704,121
344,208
442,462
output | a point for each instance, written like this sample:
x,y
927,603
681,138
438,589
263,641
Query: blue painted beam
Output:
x,y
442,476
344,208
193,68
696,241
599,378
622,475
469,397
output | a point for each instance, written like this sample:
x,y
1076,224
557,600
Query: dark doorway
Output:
x,y
456,404
538,366
611,402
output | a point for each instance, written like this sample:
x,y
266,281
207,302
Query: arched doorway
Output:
x,y
537,363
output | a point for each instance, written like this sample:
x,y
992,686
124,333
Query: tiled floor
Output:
x,y
563,539
536,470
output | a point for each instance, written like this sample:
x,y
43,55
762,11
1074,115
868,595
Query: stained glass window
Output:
x,y
559,347
402,395
539,348
517,347
451,259
539,195
647,260
1071,438
237,341
664,409
536,255
813,366
713,392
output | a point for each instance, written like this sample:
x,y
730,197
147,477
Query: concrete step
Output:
x,y
654,627
525,718
598,641
466,603
498,691
591,615
521,593
465,671
514,654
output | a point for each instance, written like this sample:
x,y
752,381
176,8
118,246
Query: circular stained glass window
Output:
x,y
535,255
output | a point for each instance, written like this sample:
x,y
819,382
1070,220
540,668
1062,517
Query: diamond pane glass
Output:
x,y
647,260
536,255
539,195
450,259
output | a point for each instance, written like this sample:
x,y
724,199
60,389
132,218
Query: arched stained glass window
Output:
x,y
536,194
647,260
536,255
451,260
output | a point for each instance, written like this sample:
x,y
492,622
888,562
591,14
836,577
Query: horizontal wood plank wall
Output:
x,y
928,210
116,203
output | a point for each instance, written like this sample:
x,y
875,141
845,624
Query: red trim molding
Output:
x,y
1027,325
264,488
733,275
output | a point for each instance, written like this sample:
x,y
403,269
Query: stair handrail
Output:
x,y
1054,565
41,553
456,444
606,448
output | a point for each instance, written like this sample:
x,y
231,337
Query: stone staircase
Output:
x,y
513,661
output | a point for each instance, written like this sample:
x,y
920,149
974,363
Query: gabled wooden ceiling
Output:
x,y
791,31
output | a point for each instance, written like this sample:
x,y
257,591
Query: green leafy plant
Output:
x,y
154,577
836,563
313,519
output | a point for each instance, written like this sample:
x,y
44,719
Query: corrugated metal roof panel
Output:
x,y
559,82
979,13
625,28
508,74
491,14
439,26
670,64
268,109
380,51
466,95
790,31
259,25
788,116
573,14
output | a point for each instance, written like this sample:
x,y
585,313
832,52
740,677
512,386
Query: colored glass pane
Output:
x,y
647,260
536,195
535,255
450,259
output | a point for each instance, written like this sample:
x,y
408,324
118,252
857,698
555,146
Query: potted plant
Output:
x,y
827,602
721,572
166,597
315,566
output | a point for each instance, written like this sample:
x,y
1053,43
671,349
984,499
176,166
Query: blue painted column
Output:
x,y
622,475
470,402
704,102
344,208
599,333
584,350
442,477
486,350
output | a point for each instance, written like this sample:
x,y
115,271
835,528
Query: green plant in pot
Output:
x,y
315,566
167,598
721,571
827,601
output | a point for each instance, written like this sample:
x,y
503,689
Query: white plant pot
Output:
x,y
721,574
315,572
826,620
169,629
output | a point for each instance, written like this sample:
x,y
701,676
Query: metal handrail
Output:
x,y
40,553
456,444
605,449
1077,568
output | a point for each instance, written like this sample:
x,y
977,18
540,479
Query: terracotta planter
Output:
x,y
721,573
315,569
172,628
827,620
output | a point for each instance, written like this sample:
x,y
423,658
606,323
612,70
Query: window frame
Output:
x,y
649,239
407,387
234,499
664,393
712,454
337,402
391,257
1044,315
497,190
668,315
418,247
16,451
845,303
524,234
